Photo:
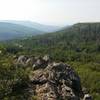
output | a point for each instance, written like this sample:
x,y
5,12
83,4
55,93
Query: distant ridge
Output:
x,y
11,31
38,26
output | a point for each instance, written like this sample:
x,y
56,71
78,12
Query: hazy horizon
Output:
x,y
51,12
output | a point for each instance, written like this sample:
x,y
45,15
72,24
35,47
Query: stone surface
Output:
x,y
87,97
53,81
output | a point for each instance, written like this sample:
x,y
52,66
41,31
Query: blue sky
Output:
x,y
51,12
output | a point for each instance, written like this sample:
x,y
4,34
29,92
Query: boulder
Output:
x,y
24,60
46,58
87,97
56,81
0,51
53,81
30,61
21,59
39,63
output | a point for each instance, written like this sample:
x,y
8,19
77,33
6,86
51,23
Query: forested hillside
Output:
x,y
81,39
77,45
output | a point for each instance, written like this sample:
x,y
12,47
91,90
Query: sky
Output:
x,y
51,12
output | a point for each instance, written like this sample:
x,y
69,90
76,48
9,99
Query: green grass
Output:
x,y
90,78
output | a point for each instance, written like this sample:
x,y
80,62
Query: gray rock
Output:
x,y
30,61
53,81
46,58
0,51
21,59
39,64
56,80
87,97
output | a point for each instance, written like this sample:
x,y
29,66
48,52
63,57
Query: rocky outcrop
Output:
x,y
53,81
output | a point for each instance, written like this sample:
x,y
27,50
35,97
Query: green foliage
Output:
x,y
90,78
78,45
13,81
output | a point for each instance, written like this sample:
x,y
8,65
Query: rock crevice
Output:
x,y
53,81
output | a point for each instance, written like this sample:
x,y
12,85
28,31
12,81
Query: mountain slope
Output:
x,y
80,42
78,45
11,31
41,27
71,36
